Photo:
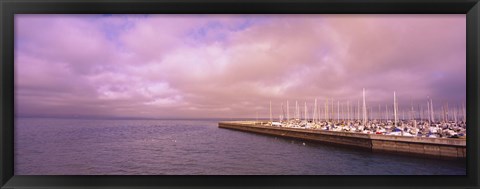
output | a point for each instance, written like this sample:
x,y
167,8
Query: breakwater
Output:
x,y
450,148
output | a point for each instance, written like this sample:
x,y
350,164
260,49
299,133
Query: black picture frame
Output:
x,y
9,8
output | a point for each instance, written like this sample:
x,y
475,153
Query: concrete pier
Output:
x,y
450,148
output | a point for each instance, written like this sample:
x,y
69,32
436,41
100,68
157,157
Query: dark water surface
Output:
x,y
178,147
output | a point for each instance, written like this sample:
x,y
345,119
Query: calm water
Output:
x,y
152,147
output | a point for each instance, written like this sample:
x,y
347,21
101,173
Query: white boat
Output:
x,y
396,133
407,134
278,124
432,136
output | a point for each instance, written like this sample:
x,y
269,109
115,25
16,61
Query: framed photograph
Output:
x,y
276,93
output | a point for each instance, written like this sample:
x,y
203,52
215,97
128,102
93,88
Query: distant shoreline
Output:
x,y
130,118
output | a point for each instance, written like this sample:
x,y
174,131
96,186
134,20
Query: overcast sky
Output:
x,y
201,66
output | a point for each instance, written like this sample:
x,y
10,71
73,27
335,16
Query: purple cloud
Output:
x,y
163,66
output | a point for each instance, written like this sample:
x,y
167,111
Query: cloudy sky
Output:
x,y
201,66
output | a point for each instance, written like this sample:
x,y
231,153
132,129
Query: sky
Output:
x,y
232,66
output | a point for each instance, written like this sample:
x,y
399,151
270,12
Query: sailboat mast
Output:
x,y
306,118
358,110
395,108
326,109
338,111
348,109
342,115
296,109
412,113
432,111
333,116
319,112
386,112
288,112
315,111
379,114
271,119
455,114
446,113
428,111
419,112
364,109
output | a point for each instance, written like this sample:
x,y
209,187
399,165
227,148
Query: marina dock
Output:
x,y
445,148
